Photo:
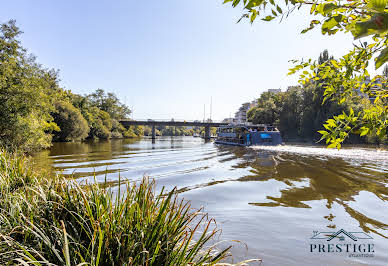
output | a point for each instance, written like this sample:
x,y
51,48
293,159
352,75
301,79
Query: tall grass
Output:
x,y
46,220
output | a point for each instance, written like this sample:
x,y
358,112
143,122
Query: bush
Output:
x,y
71,122
52,220
130,133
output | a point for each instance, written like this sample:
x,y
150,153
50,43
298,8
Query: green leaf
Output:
x,y
377,5
268,18
331,23
235,3
382,58
313,8
253,3
254,15
364,131
333,145
328,8
334,63
376,24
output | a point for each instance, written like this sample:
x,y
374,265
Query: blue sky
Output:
x,y
166,58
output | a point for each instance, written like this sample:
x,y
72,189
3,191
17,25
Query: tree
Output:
x,y
347,75
26,94
72,124
109,103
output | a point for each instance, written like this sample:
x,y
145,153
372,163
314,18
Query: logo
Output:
x,y
355,244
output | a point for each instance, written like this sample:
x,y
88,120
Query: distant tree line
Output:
x,y
301,112
177,131
35,110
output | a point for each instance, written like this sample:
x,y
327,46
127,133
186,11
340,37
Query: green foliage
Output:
x,y
26,93
109,103
72,124
301,111
266,112
33,107
47,220
348,75
130,132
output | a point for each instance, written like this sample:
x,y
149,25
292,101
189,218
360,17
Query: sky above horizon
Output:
x,y
167,59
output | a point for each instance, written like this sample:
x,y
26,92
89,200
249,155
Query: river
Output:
x,y
277,201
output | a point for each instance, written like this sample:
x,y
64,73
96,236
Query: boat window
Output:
x,y
265,137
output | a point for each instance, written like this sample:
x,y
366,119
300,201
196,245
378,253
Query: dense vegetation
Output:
x,y
50,220
347,76
34,109
301,111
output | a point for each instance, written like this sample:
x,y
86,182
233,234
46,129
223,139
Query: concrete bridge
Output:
x,y
153,123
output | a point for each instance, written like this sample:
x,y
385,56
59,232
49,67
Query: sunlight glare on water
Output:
x,y
379,155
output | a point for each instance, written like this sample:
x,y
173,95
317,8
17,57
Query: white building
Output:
x,y
241,115
275,91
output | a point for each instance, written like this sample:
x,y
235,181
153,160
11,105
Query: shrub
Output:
x,y
71,122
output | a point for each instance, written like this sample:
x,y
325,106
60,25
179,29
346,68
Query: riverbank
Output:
x,y
48,219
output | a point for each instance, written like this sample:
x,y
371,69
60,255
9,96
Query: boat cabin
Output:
x,y
246,135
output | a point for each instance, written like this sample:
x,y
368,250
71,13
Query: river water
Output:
x,y
272,199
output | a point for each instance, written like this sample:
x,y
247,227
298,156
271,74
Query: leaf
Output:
x,y
253,3
334,63
235,3
333,145
382,58
279,9
328,8
331,23
323,132
254,15
377,5
376,24
364,131
313,8
268,18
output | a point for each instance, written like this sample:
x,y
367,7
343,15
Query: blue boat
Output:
x,y
247,135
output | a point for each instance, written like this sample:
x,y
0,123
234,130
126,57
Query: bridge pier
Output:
x,y
207,132
153,133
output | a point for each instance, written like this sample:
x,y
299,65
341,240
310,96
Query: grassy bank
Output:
x,y
50,220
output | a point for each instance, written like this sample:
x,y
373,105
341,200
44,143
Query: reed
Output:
x,y
50,220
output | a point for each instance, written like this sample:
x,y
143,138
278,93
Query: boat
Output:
x,y
247,135
196,135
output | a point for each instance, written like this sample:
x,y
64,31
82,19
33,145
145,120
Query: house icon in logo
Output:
x,y
341,235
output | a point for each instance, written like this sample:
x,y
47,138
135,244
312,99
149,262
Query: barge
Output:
x,y
247,135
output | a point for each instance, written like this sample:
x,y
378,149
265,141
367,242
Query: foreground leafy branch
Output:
x,y
348,75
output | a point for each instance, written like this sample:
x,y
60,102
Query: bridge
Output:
x,y
153,123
